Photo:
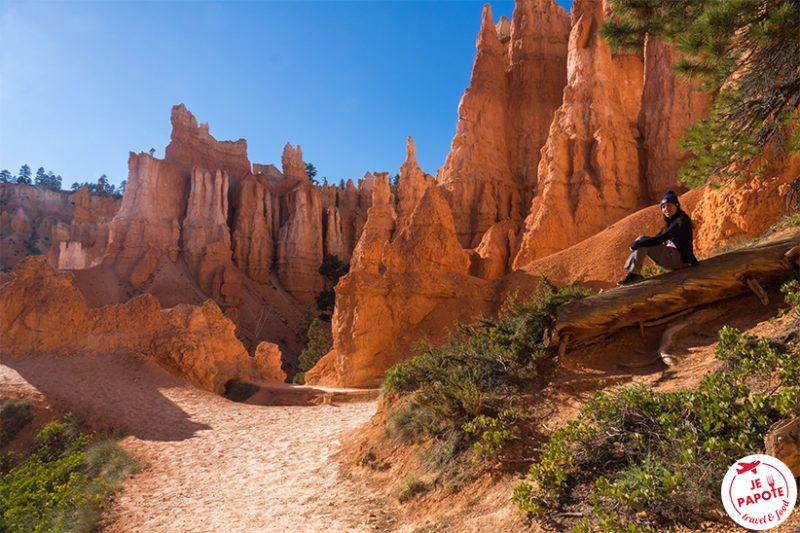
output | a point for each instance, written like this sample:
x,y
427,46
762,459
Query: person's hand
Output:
x,y
635,244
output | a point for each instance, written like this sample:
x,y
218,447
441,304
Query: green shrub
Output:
x,y
788,222
332,269
649,271
458,393
664,453
63,484
14,414
319,343
495,432
792,291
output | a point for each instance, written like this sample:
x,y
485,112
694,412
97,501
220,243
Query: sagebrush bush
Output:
x,y
658,458
792,291
472,375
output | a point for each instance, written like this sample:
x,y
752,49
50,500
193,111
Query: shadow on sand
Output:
x,y
116,392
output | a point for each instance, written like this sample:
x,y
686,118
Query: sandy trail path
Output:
x,y
212,465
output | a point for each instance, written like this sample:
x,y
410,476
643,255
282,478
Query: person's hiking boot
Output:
x,y
630,279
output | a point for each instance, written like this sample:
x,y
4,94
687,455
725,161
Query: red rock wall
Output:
x,y
669,105
192,146
252,228
41,311
225,228
147,226
50,220
504,115
589,175
409,279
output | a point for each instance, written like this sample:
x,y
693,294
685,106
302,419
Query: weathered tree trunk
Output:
x,y
715,279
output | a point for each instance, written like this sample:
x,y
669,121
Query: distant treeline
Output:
x,y
53,181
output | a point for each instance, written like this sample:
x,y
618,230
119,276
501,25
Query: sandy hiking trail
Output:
x,y
211,465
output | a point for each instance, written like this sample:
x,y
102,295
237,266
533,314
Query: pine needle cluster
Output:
x,y
744,52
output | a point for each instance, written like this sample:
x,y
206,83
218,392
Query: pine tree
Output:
x,y
311,171
759,41
319,343
41,177
5,176
53,181
24,175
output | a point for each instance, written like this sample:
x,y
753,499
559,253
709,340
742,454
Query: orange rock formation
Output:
x,y
193,146
406,275
70,227
504,116
559,146
42,311
589,173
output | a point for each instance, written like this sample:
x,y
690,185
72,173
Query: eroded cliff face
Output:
x,y
69,227
192,145
504,116
558,142
252,227
224,221
41,311
558,139
745,208
589,175
408,278
558,135
147,226
669,105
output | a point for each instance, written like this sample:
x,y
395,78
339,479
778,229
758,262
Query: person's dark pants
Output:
x,y
662,255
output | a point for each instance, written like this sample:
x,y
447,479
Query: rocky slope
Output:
x,y
41,311
69,227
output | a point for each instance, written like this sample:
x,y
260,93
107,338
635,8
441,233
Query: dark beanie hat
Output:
x,y
670,197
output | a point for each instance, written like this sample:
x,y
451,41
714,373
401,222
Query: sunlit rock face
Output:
x,y
148,223
589,175
504,116
557,139
409,278
669,105
41,311
192,145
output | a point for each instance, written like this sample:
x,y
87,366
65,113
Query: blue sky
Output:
x,y
84,83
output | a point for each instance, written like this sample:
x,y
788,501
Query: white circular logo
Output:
x,y
759,492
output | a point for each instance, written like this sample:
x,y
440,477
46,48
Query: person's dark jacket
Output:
x,y
678,229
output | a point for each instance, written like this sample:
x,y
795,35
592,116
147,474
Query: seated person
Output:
x,y
671,248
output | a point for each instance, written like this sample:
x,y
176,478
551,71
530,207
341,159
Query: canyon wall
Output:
x,y
202,204
41,311
504,116
69,227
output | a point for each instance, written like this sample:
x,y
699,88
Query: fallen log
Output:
x,y
583,321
